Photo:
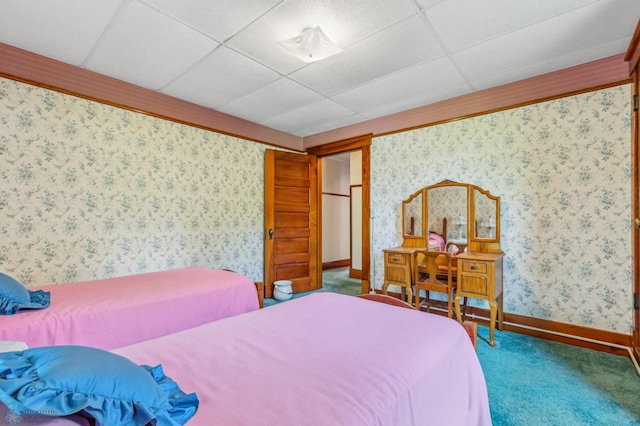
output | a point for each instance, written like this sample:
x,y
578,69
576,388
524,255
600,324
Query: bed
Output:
x,y
325,359
115,312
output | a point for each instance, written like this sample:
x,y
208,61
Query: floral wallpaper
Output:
x,y
563,171
90,191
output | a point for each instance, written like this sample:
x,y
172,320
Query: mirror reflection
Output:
x,y
485,215
413,215
452,216
447,213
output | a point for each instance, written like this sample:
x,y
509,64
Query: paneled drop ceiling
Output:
x,y
398,54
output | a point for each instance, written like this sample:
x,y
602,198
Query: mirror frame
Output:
x,y
474,243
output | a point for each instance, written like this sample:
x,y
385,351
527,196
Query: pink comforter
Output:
x,y
120,311
325,359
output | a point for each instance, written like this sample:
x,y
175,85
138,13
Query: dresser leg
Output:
x,y
500,313
492,322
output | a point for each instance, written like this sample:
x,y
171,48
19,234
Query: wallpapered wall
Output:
x,y
91,191
563,171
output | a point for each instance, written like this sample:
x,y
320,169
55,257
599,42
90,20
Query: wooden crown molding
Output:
x,y
27,67
37,70
633,51
606,72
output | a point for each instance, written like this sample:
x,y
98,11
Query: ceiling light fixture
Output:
x,y
310,46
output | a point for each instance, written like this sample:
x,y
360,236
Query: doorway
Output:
x,y
313,209
361,145
341,222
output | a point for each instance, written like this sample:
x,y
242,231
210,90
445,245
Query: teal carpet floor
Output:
x,y
537,382
335,280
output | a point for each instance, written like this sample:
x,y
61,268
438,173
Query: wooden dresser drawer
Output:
x,y
398,275
480,277
397,259
474,284
475,267
398,263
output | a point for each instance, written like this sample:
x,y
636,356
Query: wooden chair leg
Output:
x,y
426,300
472,330
464,309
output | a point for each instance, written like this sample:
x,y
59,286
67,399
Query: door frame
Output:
x,y
632,56
359,143
635,148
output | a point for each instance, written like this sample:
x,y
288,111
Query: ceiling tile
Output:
x,y
545,66
425,4
65,30
221,77
272,100
401,46
330,125
463,23
147,48
419,80
220,19
418,101
344,22
308,116
578,30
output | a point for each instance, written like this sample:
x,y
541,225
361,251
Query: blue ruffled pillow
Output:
x,y
15,296
63,380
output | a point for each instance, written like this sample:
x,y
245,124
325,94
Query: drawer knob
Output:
x,y
474,266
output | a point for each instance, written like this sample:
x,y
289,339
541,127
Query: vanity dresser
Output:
x,y
464,220
398,261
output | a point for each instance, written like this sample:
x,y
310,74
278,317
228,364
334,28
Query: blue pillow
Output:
x,y
63,380
15,296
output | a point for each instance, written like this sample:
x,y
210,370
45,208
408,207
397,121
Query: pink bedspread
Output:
x,y
10,417
325,359
115,312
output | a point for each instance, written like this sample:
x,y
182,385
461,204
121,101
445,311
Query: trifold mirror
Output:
x,y
452,213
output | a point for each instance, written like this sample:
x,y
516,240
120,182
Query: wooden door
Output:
x,y
291,221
